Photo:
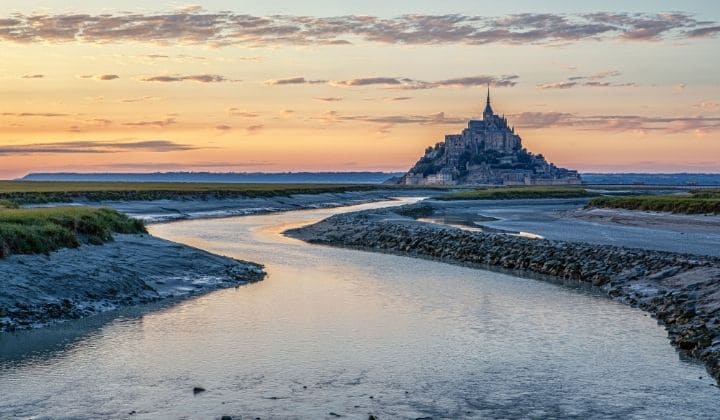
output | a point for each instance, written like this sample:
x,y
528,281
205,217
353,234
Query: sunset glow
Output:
x,y
242,86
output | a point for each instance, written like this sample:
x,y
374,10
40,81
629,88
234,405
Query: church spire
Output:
x,y
488,109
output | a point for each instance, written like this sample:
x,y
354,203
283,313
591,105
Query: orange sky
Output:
x,y
149,93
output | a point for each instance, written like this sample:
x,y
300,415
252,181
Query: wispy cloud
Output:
x,y
667,125
404,83
156,123
94,146
195,26
440,118
202,78
140,99
293,81
594,80
35,114
237,112
254,129
32,76
329,99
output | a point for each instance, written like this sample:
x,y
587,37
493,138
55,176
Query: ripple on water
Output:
x,y
353,333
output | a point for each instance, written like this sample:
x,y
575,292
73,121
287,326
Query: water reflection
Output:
x,y
352,333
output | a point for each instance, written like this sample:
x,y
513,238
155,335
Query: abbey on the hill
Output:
x,y
488,152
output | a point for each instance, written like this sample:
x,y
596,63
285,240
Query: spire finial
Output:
x,y
488,109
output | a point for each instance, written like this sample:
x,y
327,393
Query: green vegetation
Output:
x,y
42,230
7,204
507,193
696,202
32,192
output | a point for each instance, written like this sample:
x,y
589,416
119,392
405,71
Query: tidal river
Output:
x,y
333,332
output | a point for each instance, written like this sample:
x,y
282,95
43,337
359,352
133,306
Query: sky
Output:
x,y
137,86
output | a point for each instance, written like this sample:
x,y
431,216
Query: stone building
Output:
x,y
487,152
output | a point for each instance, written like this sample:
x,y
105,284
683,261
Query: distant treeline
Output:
x,y
223,177
677,179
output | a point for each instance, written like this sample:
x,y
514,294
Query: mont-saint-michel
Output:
x,y
487,152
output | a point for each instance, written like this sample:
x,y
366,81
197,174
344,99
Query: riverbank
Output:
x,y
166,210
685,223
73,283
680,290
77,280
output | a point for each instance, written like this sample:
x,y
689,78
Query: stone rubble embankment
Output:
x,y
682,291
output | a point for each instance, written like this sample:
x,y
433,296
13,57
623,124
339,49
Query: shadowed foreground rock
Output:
x,y
36,290
682,291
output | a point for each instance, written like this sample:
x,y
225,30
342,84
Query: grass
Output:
x,y
43,230
697,202
507,193
33,192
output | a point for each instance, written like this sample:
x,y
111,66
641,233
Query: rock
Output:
x,y
226,418
198,389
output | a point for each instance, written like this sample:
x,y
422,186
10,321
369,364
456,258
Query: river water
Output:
x,y
341,332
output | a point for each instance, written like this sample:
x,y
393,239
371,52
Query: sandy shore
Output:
x,y
702,223
682,291
73,283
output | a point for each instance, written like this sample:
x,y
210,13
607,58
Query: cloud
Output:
x,y
330,99
367,81
405,83
440,118
539,119
293,81
157,123
192,25
140,99
705,32
107,77
32,76
567,84
605,123
708,105
173,166
34,114
400,98
94,146
679,87
223,127
202,78
190,8
254,129
236,112
503,81
594,80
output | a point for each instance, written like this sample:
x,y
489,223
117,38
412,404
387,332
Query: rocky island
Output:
x,y
487,152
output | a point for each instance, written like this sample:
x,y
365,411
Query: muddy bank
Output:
x,y
682,291
155,211
704,223
36,290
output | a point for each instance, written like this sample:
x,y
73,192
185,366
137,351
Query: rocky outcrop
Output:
x,y
487,152
682,291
